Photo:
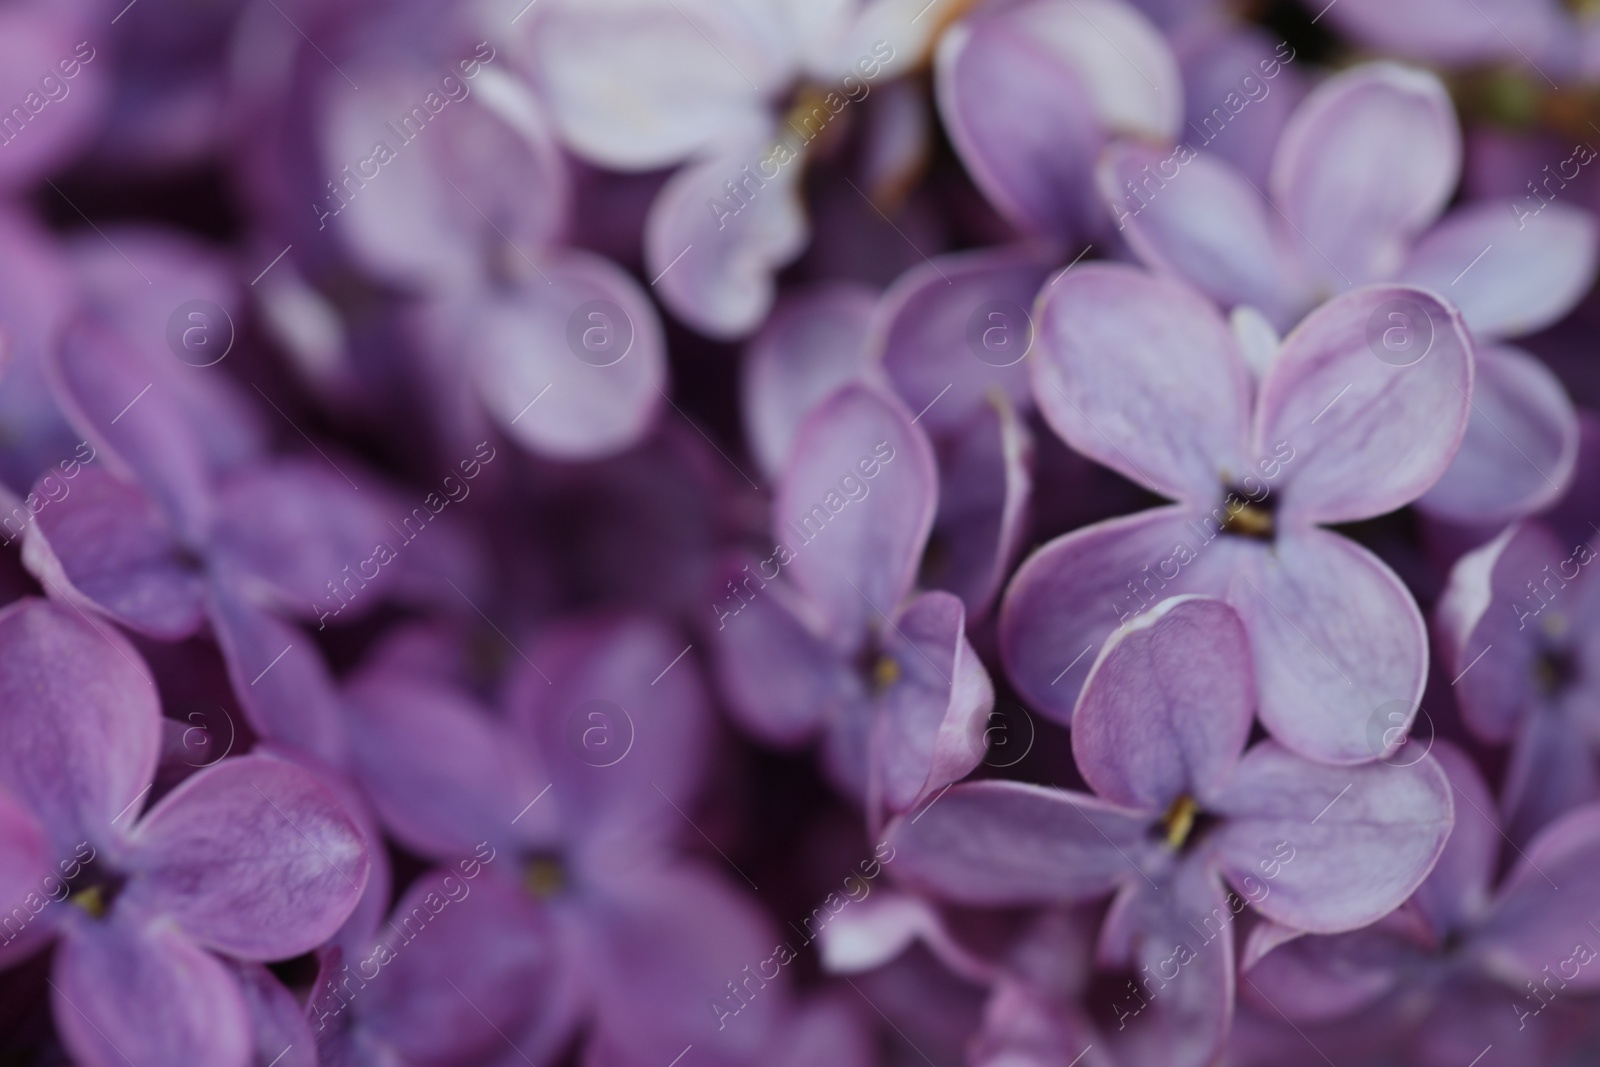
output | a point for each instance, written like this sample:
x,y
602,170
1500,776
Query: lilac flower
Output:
x,y
253,858
838,646
1358,180
1542,34
1144,376
580,797
1031,92
1470,960
1180,811
1519,620
734,94
443,177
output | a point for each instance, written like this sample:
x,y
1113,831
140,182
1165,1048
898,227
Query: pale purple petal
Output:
x,y
1339,644
105,545
1070,594
855,506
141,992
1371,393
1367,162
1551,770
1167,706
1325,848
1538,916
1520,448
80,721
811,344
252,856
1199,219
1456,895
585,332
1140,373
1003,843
440,772
713,255
1510,272
953,331
934,715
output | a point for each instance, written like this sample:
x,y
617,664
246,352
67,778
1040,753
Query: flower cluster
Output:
x,y
773,533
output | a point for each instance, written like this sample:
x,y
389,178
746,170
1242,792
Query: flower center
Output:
x,y
94,891
1555,671
544,877
1245,517
1178,822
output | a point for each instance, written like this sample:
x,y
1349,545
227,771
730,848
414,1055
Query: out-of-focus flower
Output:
x,y
1143,375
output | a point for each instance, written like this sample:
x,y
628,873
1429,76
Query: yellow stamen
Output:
x,y
91,900
885,673
544,878
1179,821
1249,521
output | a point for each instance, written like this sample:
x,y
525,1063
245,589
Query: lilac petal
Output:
x,y
1368,161
868,936
985,487
1367,433
1003,843
934,716
141,992
80,722
1069,596
1534,268
104,544
1325,848
1167,705
1521,445
1537,918
713,255
441,773
602,400
38,43
1456,895
483,935
617,716
1455,33
1181,936
856,537
667,942
827,1029
1552,770
955,330
1336,637
780,676
638,86
297,527
1205,225
29,883
111,390
1141,374
278,1026
284,685
252,856
811,345
1028,95
424,217
1487,603
1318,979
